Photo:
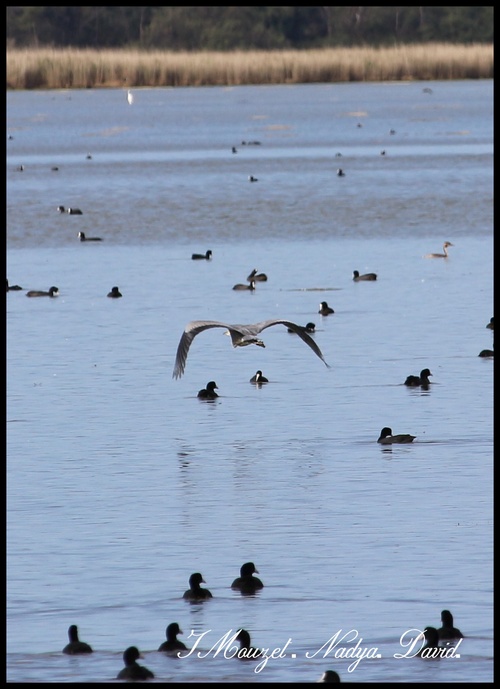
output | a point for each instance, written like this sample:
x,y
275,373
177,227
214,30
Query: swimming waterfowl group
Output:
x,y
436,642
54,292
247,642
252,278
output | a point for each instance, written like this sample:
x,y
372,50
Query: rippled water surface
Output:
x,y
121,483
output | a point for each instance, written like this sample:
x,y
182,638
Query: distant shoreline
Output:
x,y
48,68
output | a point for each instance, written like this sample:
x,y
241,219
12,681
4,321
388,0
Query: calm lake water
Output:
x,y
121,483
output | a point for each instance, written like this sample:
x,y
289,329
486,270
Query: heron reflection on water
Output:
x,y
241,336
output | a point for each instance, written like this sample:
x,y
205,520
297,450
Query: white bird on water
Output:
x,y
130,97
241,335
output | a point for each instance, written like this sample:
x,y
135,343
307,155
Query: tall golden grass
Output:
x,y
48,68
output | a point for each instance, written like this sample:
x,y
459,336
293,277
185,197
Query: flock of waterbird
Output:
x,y
435,642
247,334
241,336
244,335
246,583
53,291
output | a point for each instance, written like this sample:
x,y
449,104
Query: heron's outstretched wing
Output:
x,y
190,331
299,329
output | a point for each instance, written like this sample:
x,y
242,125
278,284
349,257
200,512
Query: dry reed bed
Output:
x,y
67,68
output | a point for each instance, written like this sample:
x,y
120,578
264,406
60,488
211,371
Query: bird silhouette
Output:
x,y
448,632
83,238
172,644
75,646
195,591
256,277
324,309
132,671
431,647
246,582
367,276
242,287
52,292
486,353
247,651
386,437
259,378
199,257
208,393
419,381
329,676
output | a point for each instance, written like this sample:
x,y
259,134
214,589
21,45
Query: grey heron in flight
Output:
x,y
241,335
